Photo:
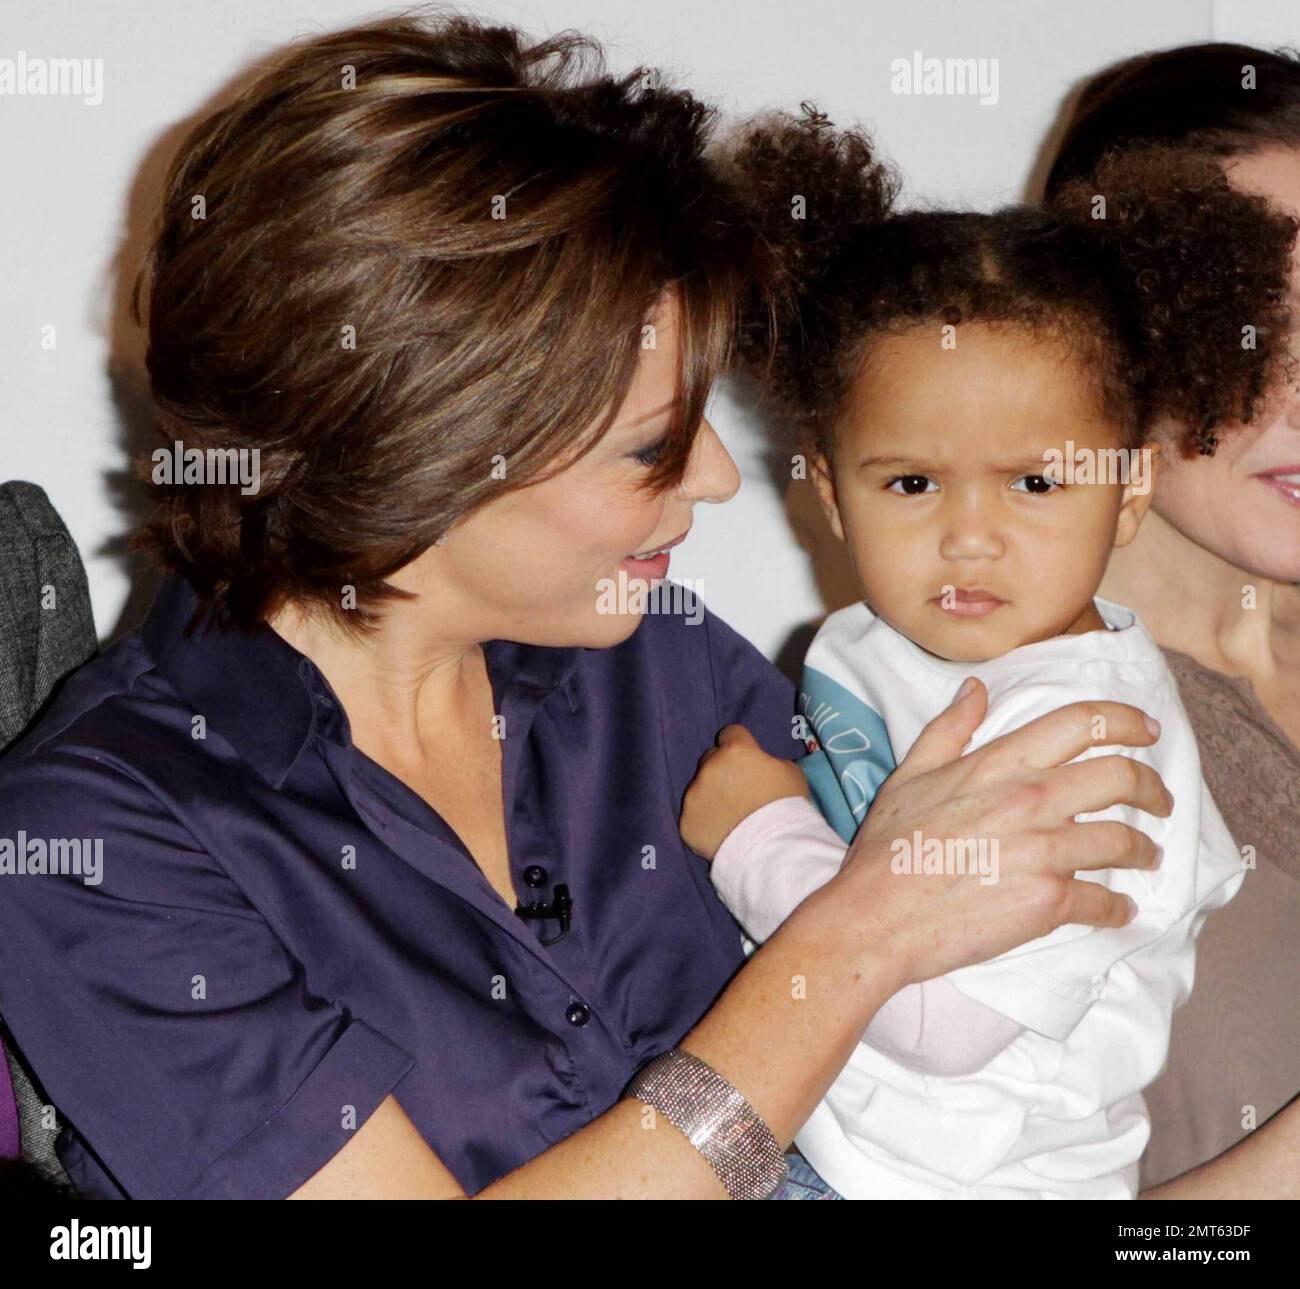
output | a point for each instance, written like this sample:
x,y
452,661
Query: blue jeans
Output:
x,y
802,1182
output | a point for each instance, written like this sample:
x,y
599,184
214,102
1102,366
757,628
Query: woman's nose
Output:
x,y
711,474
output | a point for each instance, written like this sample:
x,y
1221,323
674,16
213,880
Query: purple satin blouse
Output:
x,y
278,933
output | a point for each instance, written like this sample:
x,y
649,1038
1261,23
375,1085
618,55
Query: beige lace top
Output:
x,y
1234,1055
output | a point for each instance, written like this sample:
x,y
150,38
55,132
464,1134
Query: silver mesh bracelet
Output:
x,y
716,1120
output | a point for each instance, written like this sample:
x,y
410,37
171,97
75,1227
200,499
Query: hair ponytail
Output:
x,y
1204,269
816,195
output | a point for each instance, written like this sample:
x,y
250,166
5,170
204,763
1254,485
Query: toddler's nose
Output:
x,y
970,536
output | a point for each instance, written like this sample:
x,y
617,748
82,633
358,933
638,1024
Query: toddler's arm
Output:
x,y
772,861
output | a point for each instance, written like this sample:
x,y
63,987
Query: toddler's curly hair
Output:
x,y
1148,273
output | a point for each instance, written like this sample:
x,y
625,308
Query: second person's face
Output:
x,y
1243,503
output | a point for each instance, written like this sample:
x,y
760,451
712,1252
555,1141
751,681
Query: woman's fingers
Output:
x,y
1025,789
1104,781
947,734
1063,734
1096,844
1091,904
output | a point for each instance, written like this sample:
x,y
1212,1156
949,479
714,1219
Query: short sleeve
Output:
x,y
750,691
1049,984
168,1024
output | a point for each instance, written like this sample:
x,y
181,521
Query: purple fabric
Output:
x,y
10,1147
282,933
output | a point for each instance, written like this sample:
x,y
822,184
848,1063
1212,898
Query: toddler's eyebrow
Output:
x,y
893,461
1026,461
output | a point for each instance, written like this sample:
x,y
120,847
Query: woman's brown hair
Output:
x,y
1221,100
408,253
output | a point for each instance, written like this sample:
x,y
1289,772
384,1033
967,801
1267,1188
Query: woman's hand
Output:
x,y
1019,790
733,780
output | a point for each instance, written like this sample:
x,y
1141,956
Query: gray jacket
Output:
x,y
46,630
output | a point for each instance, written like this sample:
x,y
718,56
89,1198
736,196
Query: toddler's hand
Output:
x,y
734,779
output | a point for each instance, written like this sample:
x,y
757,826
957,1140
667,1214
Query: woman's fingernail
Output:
x,y
1132,908
967,686
1154,727
1160,857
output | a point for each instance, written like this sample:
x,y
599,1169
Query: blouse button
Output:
x,y
535,875
578,1014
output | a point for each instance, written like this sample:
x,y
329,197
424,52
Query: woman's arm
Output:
x,y
785,1026
758,1036
1265,1165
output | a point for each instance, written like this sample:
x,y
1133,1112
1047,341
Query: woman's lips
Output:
x,y
972,603
656,567
652,569
1285,482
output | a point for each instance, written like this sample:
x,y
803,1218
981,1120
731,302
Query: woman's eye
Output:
x,y
650,455
1035,483
912,485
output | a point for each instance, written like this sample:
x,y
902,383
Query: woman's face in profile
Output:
x,y
546,564
1243,503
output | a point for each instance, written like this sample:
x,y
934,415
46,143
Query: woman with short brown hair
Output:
x,y
393,900
401,267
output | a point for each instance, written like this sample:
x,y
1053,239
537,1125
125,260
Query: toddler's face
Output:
x,y
938,485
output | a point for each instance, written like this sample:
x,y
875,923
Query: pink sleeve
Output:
x,y
772,861
933,1028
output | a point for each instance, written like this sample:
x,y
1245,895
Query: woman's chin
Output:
x,y
613,628
1273,554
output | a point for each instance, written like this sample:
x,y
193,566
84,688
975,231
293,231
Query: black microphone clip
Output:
x,y
560,908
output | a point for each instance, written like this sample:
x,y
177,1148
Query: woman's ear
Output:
x,y
824,481
1137,492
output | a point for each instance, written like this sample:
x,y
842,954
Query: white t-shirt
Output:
x,y
1069,1028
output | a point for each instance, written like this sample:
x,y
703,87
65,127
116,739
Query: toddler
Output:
x,y
978,394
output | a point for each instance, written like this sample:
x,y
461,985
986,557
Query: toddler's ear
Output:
x,y
824,482
1137,492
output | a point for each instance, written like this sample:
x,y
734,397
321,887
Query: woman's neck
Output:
x,y
394,686
1201,605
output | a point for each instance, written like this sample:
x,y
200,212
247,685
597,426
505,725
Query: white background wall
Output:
x,y
78,185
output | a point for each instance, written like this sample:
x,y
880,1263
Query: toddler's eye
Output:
x,y
1037,484
913,485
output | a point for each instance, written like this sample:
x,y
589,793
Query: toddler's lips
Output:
x,y
971,603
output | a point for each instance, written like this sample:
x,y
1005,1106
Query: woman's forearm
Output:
x,y
781,1032
1265,1165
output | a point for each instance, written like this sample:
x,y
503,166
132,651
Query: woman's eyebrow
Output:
x,y
645,416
